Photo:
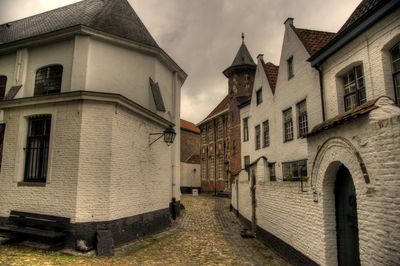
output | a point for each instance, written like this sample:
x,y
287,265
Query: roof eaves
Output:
x,y
354,30
212,117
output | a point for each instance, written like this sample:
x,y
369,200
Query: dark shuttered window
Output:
x,y
37,148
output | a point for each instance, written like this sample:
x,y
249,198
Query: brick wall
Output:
x,y
190,144
293,216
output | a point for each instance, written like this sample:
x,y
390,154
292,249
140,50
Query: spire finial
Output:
x,y
242,37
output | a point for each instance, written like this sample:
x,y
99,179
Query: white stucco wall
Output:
x,y
190,175
372,50
21,65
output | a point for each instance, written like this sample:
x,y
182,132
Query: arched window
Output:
x,y
3,83
48,80
395,53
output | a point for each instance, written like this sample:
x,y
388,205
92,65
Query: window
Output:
x,y
246,160
220,167
37,148
48,80
258,140
302,119
290,68
203,169
210,129
288,124
272,174
265,133
293,171
211,165
220,128
246,129
354,88
3,83
395,52
259,98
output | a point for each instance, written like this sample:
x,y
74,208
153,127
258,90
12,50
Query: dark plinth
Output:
x,y
105,243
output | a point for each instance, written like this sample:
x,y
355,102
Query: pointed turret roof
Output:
x,y
115,17
243,60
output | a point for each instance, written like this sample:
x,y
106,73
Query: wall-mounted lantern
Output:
x,y
168,134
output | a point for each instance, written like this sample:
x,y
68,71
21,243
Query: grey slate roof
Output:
x,y
115,17
243,57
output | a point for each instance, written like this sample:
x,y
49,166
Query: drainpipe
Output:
x,y
215,159
321,87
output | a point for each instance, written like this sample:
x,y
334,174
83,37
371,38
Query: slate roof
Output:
x,y
243,60
221,107
189,126
313,40
243,57
365,7
271,71
115,17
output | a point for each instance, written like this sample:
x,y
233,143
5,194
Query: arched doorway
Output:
x,y
346,219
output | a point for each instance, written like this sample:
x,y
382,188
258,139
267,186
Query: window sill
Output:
x,y
287,140
31,184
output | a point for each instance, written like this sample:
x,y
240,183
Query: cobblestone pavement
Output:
x,y
206,234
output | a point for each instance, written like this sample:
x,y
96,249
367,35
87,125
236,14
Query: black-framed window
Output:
x,y
293,171
395,54
290,67
37,148
302,119
259,98
265,125
246,160
354,88
48,80
245,129
272,173
3,84
287,125
258,137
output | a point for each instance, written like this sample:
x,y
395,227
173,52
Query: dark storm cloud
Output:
x,y
203,36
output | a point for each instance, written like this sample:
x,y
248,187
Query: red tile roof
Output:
x,y
189,126
313,40
362,9
222,106
271,71
360,110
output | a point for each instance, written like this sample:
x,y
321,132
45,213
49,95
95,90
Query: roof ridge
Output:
x,y
320,31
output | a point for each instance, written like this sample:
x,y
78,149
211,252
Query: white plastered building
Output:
x,y
84,87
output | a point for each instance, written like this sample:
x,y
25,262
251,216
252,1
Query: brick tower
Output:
x,y
240,84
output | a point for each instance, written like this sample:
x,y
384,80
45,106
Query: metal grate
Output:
x,y
37,149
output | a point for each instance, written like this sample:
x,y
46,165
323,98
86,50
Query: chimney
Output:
x,y
260,57
289,21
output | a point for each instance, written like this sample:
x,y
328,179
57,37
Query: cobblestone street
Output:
x,y
206,234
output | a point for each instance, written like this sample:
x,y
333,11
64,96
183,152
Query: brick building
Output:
x,y
220,130
324,190
190,157
86,91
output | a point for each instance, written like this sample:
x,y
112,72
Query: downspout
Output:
x,y
321,87
215,159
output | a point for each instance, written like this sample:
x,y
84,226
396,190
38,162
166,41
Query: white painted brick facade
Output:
x,y
101,167
292,215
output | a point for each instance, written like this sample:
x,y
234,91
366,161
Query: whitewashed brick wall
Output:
x,y
292,215
372,50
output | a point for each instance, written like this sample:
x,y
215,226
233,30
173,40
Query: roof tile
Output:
x,y
313,40
115,17
271,71
189,126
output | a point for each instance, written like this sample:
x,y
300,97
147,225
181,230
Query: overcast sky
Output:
x,y
203,36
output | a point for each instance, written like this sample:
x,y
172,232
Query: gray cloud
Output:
x,y
203,36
